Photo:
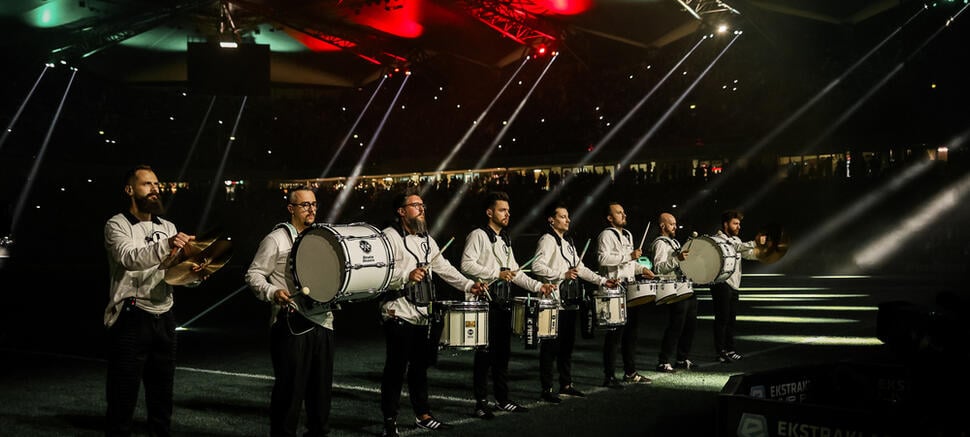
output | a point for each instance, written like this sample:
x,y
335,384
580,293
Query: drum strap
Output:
x,y
625,232
572,246
289,227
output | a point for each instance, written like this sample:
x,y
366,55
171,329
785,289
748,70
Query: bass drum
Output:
x,y
341,263
711,259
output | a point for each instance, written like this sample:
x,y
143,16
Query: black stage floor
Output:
x,y
53,366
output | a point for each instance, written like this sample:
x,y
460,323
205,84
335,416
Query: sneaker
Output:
x,y
637,378
724,357
431,423
390,428
612,382
665,368
684,364
511,407
483,410
569,390
548,396
735,356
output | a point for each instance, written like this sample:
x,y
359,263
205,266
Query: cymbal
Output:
x,y
201,265
191,249
776,244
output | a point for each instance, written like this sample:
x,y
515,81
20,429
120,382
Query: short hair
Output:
x,y
493,197
551,210
289,197
130,174
608,209
731,214
401,198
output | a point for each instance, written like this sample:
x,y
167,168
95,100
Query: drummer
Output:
x,y
301,336
488,257
406,319
681,315
618,259
724,295
558,262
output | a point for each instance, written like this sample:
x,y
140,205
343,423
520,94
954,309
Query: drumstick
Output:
x,y
520,269
584,250
644,235
441,250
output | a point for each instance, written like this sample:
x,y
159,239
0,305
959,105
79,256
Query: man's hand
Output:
x,y
636,254
647,273
572,273
282,297
478,288
547,289
683,255
506,275
418,274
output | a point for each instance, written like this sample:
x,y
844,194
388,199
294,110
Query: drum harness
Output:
x,y
618,237
572,263
492,238
675,245
395,294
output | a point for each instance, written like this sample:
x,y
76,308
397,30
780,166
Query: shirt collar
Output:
x,y
134,220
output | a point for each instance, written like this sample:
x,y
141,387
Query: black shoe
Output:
x,y
483,410
612,382
548,396
734,355
724,357
431,423
569,390
390,428
511,407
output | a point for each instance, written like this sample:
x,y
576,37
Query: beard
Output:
x,y
416,225
150,205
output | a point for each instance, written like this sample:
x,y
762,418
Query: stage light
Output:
x,y
722,28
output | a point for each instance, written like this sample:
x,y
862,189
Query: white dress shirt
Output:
x,y
483,260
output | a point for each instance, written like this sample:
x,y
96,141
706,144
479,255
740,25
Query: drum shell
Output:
x,y
610,307
465,324
673,290
340,263
548,321
641,292
710,260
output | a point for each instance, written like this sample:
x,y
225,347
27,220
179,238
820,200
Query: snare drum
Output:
x,y
547,322
465,324
610,307
711,259
341,263
641,292
673,290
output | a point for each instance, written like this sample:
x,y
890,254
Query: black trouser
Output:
x,y
725,300
302,354
141,348
407,351
495,356
625,339
560,350
679,334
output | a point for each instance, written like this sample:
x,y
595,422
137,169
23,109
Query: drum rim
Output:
x,y
295,250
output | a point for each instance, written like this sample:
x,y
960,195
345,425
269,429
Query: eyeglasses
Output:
x,y
306,205
417,206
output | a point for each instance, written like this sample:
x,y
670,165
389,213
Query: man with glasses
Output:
x,y
301,333
406,314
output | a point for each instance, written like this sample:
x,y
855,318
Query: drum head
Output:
x,y
703,263
316,264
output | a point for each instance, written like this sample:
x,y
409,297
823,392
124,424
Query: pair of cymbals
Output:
x,y
197,260
775,245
